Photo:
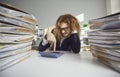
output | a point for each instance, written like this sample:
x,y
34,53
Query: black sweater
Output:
x,y
72,43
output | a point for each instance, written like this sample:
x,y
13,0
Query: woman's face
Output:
x,y
65,30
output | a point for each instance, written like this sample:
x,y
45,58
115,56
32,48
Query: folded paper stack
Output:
x,y
17,30
104,40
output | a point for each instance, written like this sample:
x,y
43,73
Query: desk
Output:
x,y
68,65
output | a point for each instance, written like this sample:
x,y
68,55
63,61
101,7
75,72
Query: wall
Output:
x,y
113,6
47,11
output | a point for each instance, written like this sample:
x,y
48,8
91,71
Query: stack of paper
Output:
x,y
104,40
101,22
17,30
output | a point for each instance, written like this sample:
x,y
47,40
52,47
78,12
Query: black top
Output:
x,y
72,43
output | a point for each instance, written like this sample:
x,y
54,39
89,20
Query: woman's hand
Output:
x,y
52,40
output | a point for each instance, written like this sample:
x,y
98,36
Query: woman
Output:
x,y
64,37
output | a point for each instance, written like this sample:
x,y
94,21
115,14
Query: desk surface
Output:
x,y
68,65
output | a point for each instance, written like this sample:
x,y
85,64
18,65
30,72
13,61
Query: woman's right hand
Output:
x,y
52,40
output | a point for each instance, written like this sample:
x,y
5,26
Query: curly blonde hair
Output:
x,y
71,21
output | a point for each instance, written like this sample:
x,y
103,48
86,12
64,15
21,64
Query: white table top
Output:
x,y
68,65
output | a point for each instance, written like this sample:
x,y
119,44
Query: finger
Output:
x,y
49,30
51,44
54,48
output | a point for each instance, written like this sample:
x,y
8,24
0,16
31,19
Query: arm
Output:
x,y
48,40
75,43
43,45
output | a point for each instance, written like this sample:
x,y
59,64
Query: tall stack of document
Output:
x,y
16,35
104,40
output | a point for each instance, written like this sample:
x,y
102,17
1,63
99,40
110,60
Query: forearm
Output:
x,y
43,45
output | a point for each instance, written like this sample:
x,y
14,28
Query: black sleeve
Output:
x,y
43,48
75,43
